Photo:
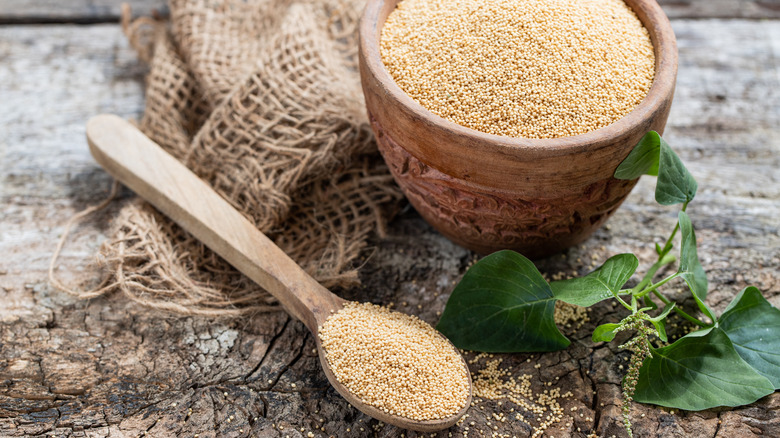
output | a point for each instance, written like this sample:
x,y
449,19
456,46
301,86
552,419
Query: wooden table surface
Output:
x,y
109,368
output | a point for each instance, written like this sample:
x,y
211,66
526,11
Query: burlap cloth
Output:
x,y
262,99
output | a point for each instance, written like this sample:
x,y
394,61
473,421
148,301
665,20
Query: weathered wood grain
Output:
x,y
52,79
82,11
109,368
721,8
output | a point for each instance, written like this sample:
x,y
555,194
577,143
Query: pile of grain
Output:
x,y
521,68
395,362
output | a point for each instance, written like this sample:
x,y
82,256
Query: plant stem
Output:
x,y
657,285
665,260
678,310
625,304
668,245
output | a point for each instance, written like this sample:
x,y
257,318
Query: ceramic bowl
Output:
x,y
488,192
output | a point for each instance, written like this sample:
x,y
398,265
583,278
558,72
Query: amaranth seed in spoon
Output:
x,y
395,362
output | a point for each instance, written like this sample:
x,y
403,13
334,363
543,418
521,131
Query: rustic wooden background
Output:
x,y
106,367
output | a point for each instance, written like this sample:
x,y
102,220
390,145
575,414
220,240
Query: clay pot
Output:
x,y
488,192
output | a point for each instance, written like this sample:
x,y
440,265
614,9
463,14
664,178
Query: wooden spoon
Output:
x,y
143,166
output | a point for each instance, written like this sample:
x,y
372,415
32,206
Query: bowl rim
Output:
x,y
665,49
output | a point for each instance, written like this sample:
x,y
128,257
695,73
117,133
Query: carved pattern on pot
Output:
x,y
484,220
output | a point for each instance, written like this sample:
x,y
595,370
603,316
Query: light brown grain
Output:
x,y
520,68
395,362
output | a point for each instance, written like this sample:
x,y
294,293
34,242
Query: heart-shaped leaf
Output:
x,y
675,184
753,325
605,282
605,332
502,305
643,159
653,156
700,371
690,268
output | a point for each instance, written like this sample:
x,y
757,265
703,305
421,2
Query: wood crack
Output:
x,y
271,346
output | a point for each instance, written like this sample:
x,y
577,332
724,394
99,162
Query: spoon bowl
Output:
x,y
143,166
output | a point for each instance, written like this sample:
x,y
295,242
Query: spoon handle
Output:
x,y
143,166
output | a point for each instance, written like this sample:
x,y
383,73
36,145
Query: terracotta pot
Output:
x,y
488,192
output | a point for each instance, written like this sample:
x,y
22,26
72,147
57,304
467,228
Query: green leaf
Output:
x,y
753,325
653,156
690,268
675,184
502,305
664,313
661,329
643,159
605,282
605,332
700,371
659,323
